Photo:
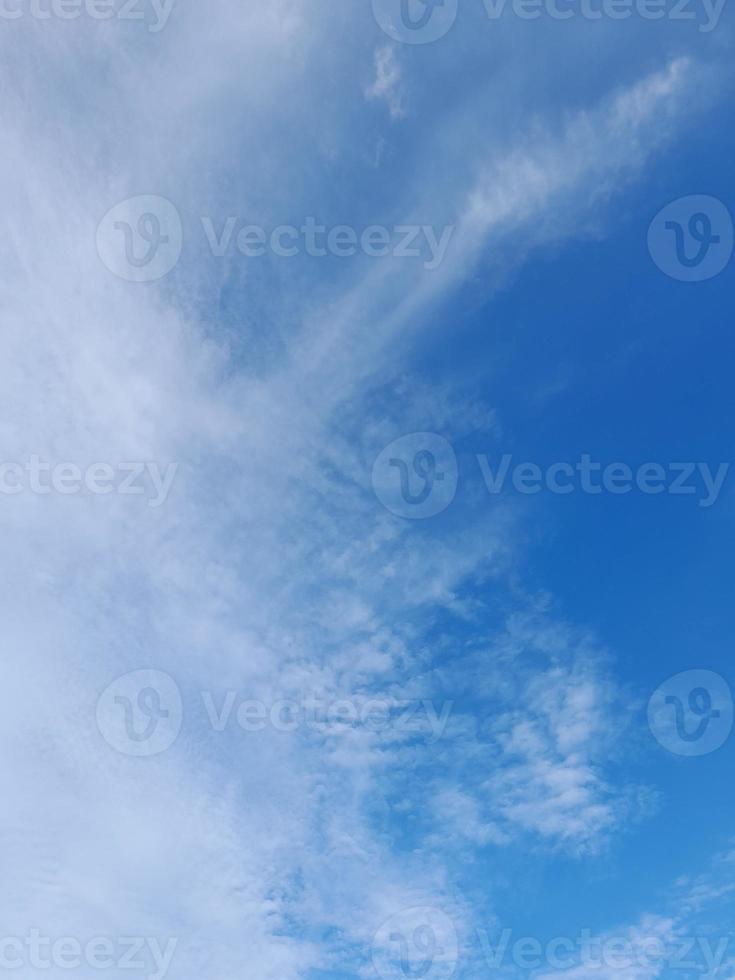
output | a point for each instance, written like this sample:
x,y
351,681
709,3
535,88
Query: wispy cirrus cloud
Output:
x,y
271,569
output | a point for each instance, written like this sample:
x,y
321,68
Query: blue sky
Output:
x,y
497,675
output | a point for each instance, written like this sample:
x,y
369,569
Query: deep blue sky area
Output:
x,y
592,349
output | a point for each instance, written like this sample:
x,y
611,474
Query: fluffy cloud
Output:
x,y
271,569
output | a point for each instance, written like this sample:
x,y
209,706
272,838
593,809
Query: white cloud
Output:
x,y
268,570
387,82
